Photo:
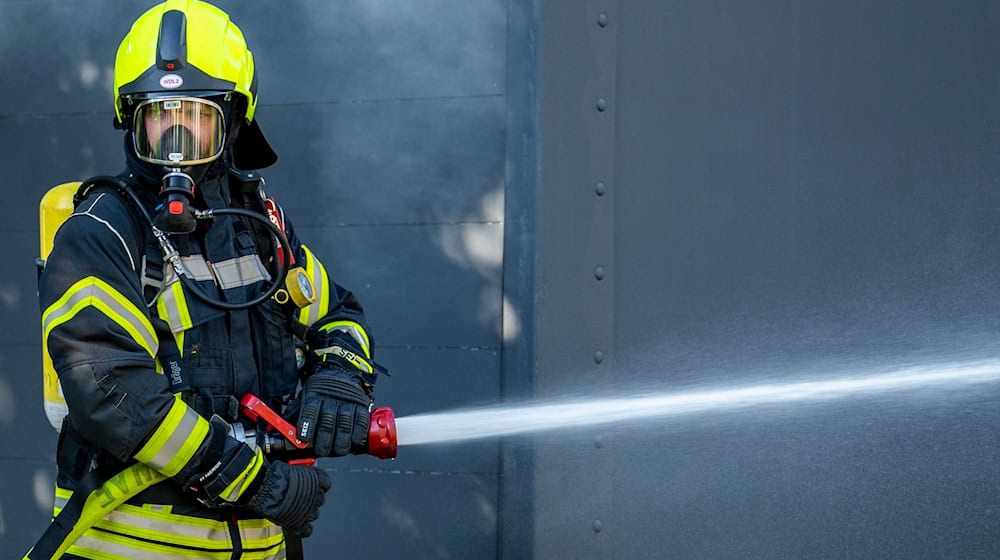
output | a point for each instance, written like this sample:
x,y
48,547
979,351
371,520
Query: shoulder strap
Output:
x,y
152,271
132,194
140,201
248,188
101,491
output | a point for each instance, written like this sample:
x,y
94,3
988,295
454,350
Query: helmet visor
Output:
x,y
178,131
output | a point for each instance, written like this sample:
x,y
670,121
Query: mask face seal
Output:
x,y
178,131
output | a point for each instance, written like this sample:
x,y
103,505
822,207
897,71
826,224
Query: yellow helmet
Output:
x,y
183,46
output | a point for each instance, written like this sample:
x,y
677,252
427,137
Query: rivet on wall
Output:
x,y
602,104
599,272
602,20
599,188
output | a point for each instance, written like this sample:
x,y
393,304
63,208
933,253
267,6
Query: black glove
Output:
x,y
290,496
334,414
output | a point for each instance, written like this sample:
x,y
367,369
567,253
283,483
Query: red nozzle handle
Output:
x,y
382,433
255,408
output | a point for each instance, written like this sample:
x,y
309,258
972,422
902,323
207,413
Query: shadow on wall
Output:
x,y
88,75
26,462
480,250
429,540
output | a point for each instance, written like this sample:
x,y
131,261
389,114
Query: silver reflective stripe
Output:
x,y
60,503
176,440
231,273
218,534
169,276
196,267
92,290
258,537
170,306
356,334
241,271
124,551
174,531
260,534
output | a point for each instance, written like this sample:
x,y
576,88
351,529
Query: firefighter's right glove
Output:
x,y
334,414
290,496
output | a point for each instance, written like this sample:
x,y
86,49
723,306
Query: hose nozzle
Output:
x,y
382,433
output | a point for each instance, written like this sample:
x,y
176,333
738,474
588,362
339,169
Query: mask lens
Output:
x,y
178,131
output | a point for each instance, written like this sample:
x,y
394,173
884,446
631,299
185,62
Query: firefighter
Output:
x,y
154,350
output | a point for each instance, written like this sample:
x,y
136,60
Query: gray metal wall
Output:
x,y
390,120
791,190
597,198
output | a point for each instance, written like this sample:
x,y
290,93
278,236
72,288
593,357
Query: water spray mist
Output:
x,y
508,420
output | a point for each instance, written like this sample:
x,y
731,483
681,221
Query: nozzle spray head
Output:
x,y
382,433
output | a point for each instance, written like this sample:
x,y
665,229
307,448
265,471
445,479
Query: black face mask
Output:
x,y
176,139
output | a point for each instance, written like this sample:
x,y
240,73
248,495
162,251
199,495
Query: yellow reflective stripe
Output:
x,y
161,312
270,554
182,307
175,440
172,307
353,329
150,524
233,492
261,534
158,523
101,545
161,309
62,498
94,292
211,533
317,275
361,364
168,532
107,497
346,354
179,338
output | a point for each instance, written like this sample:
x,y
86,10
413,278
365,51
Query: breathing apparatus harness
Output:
x,y
176,216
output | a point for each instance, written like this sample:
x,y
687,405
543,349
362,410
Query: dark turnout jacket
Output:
x,y
108,311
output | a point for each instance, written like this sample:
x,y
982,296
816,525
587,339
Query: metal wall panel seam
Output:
x,y
518,361
576,270
602,23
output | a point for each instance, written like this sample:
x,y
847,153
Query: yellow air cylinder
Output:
x,y
55,207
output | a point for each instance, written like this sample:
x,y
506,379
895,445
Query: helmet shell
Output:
x,y
184,46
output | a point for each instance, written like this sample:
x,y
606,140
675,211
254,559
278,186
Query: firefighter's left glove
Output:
x,y
334,413
291,496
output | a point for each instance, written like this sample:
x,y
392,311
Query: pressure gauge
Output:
x,y
299,287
